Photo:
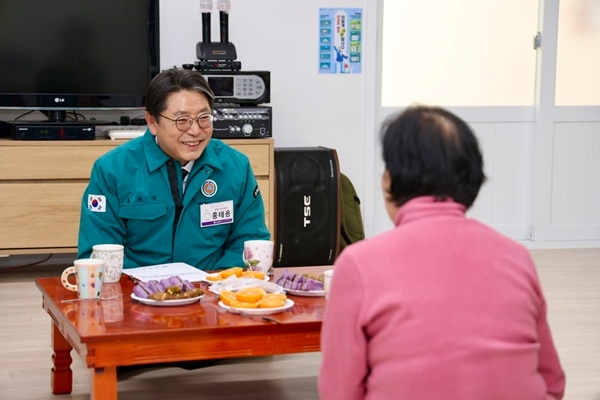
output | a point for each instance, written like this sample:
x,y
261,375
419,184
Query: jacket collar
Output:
x,y
156,158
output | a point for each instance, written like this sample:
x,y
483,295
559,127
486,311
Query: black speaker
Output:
x,y
307,204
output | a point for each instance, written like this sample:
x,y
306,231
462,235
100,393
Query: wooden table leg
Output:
x,y
104,383
61,374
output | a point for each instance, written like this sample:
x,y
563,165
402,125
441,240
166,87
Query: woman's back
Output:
x,y
440,307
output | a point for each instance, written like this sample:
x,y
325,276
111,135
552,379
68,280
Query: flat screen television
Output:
x,y
60,56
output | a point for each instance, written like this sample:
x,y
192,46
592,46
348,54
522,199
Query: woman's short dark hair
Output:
x,y
172,81
429,151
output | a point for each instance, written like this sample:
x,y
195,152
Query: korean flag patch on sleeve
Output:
x,y
96,203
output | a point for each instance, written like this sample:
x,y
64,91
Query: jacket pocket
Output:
x,y
143,211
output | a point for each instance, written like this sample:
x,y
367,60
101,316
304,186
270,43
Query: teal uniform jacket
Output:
x,y
128,201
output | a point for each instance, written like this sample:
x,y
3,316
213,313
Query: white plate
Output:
x,y
166,303
306,293
258,311
266,279
237,284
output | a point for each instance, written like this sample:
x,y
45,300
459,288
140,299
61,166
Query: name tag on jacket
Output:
x,y
216,213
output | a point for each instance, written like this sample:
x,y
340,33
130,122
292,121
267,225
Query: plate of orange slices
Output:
x,y
258,311
232,273
254,301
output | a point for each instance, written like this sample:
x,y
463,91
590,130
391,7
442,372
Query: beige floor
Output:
x,y
570,278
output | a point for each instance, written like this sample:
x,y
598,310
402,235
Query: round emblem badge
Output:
x,y
209,188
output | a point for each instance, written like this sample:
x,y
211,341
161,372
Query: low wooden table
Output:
x,y
121,331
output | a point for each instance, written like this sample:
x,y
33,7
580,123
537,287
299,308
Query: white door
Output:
x,y
566,201
477,58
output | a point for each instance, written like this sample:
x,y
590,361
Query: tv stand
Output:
x,y
40,201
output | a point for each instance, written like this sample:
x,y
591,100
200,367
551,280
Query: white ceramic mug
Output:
x,y
258,255
89,276
327,277
113,255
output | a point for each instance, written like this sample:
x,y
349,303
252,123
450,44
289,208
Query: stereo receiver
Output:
x,y
235,122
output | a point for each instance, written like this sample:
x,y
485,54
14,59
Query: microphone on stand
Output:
x,y
224,6
206,6
216,55
206,9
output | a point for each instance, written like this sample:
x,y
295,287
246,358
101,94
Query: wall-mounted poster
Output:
x,y
340,40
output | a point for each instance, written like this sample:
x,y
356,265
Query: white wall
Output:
x,y
343,112
309,109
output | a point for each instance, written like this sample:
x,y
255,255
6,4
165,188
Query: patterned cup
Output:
x,y
258,255
113,255
89,275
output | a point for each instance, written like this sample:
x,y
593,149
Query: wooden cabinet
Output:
x,y
41,184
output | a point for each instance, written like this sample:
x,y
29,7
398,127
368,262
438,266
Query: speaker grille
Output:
x,y
307,206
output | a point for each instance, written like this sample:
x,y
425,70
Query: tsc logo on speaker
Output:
x,y
306,210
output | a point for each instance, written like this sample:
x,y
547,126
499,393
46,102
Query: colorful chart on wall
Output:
x,y
340,40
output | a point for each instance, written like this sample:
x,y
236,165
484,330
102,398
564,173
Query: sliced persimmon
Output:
x,y
280,296
254,274
243,304
271,303
250,294
237,271
227,296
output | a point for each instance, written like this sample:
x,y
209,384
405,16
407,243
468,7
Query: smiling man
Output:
x,y
174,194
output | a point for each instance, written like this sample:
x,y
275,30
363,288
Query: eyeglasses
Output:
x,y
185,123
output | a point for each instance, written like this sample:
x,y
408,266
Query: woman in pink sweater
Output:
x,y
442,306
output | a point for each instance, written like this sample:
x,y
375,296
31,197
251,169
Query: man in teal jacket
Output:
x,y
137,195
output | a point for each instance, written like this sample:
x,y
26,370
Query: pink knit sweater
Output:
x,y
441,307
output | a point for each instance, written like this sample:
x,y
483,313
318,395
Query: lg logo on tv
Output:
x,y
59,100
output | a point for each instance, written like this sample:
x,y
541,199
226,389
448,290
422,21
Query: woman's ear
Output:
x,y
386,186
386,182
